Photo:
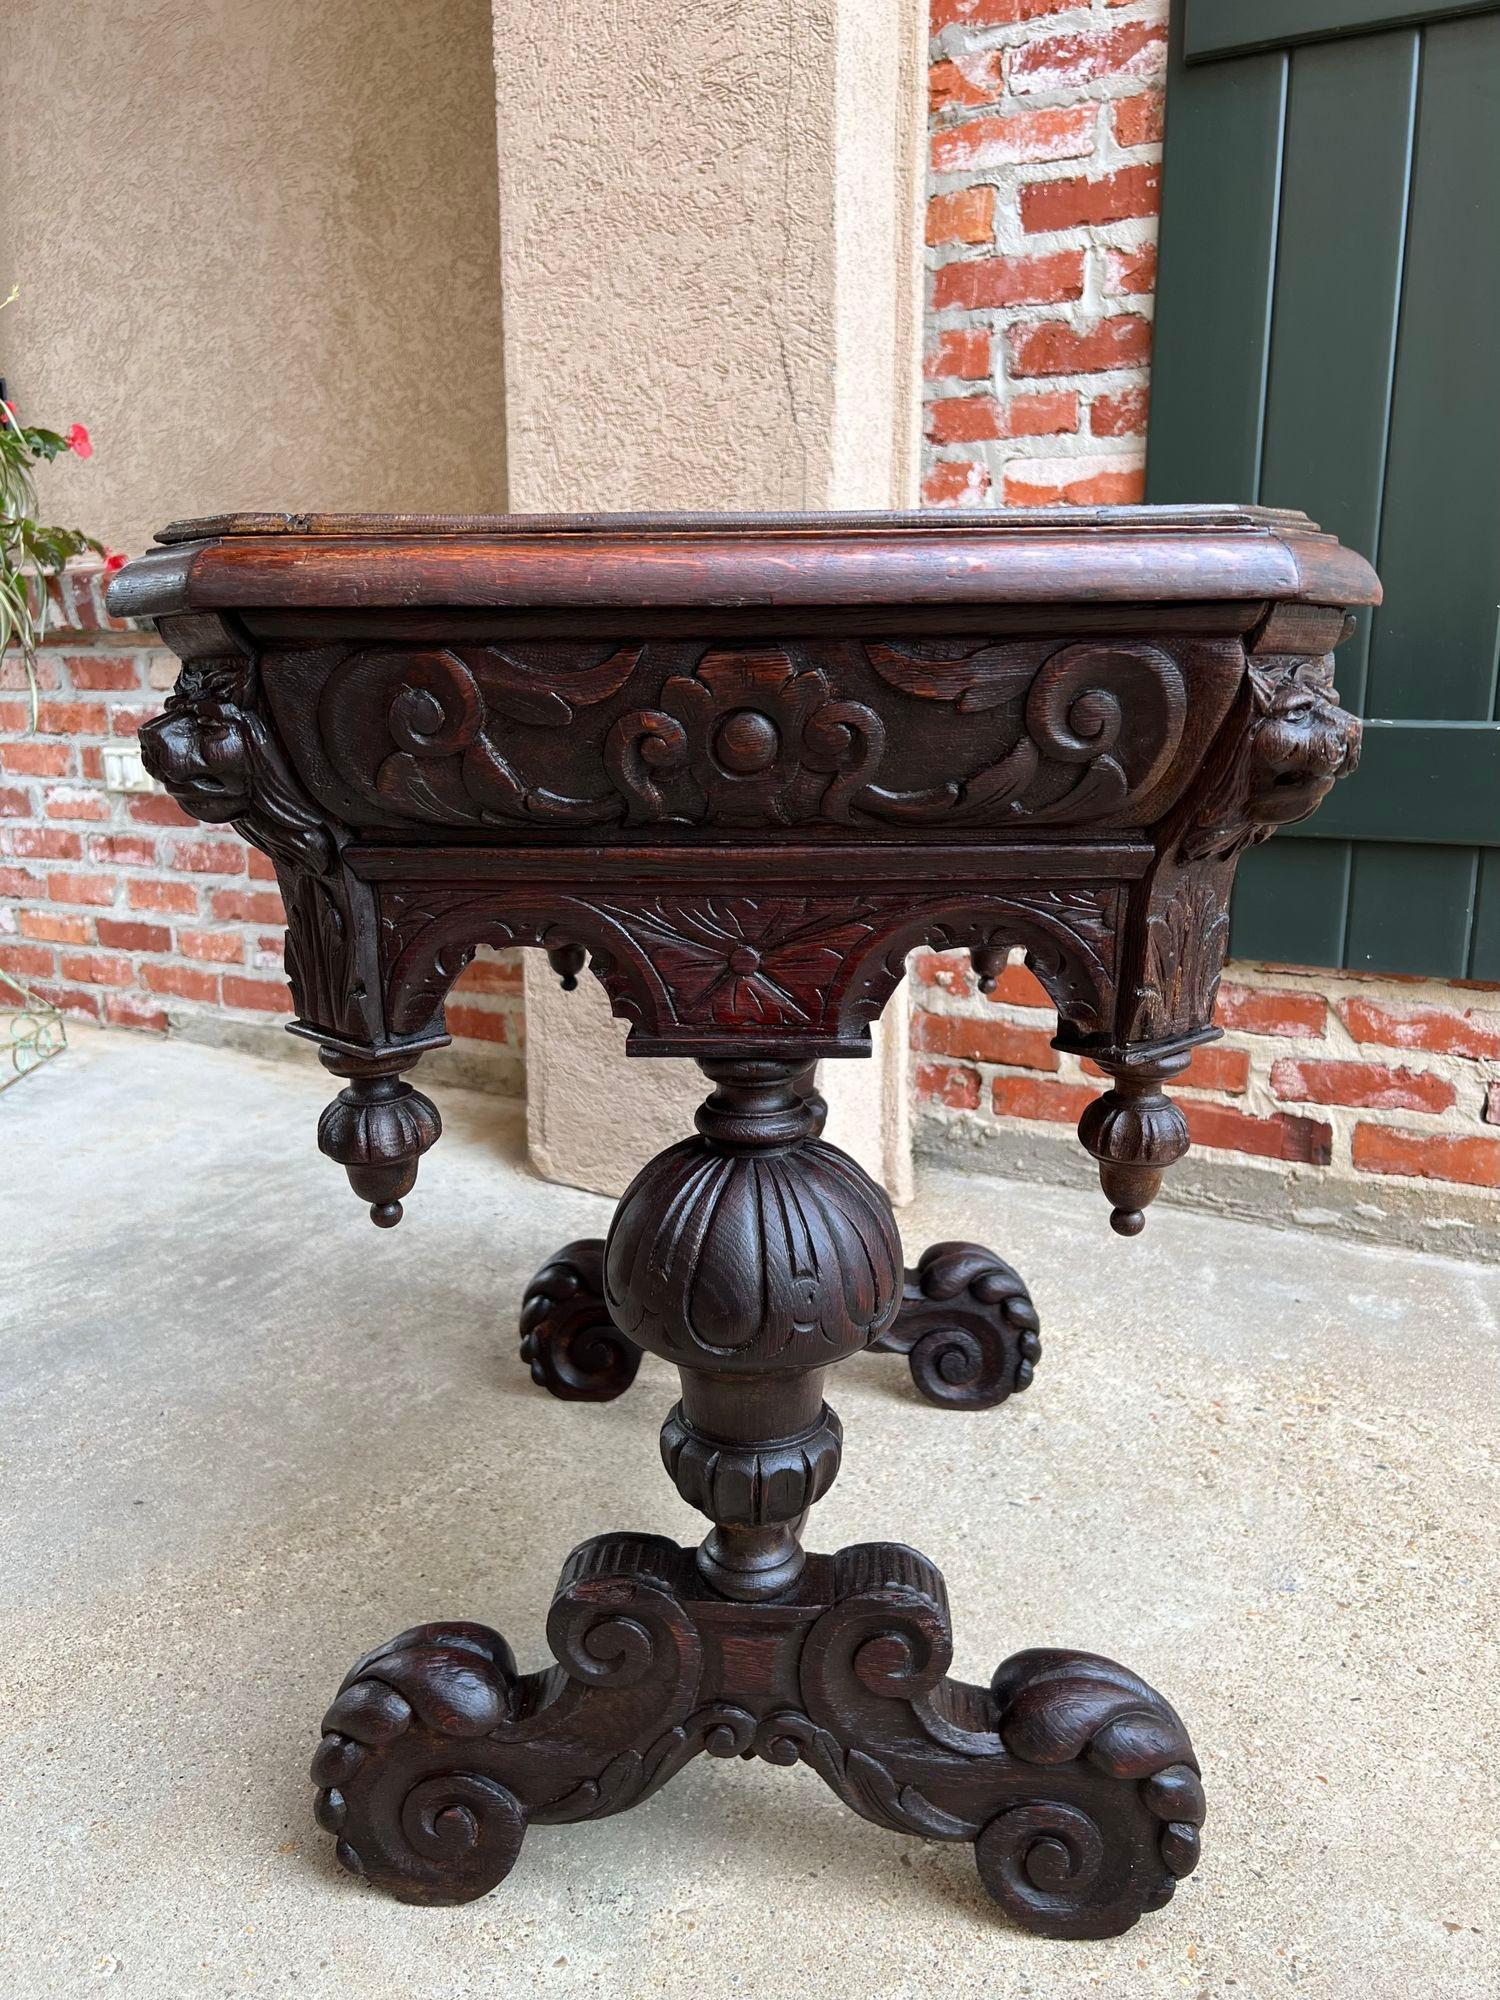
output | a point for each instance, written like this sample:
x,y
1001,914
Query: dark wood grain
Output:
x,y
740,768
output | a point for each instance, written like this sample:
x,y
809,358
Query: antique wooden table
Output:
x,y
743,766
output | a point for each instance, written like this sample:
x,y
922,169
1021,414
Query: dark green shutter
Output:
x,y
1328,319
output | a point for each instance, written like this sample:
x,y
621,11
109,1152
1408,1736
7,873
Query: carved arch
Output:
x,y
793,970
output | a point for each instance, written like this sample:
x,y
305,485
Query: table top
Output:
x,y
1107,555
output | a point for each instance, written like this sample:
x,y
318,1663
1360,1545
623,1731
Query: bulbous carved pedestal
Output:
x,y
741,769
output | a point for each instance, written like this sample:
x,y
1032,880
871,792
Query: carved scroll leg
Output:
x,y
435,1757
1075,1780
572,1346
967,1326
377,1128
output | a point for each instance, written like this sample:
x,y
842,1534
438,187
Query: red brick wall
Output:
x,y
120,909
1041,227
1046,123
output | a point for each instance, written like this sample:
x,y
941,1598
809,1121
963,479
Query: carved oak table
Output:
x,y
742,767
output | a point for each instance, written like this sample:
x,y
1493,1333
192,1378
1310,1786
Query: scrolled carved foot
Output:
x,y
1060,1866
436,1755
967,1326
1075,1781
394,1782
572,1346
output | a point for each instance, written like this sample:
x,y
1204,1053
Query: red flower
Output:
x,y
79,442
113,561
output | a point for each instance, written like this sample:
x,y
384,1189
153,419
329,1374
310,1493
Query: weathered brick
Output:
x,y
1387,1149
16,804
207,857
1056,347
260,866
1123,488
65,887
484,975
37,760
122,850
28,961
104,673
960,354
983,1038
72,802
53,927
1279,1137
95,969
179,897
1212,1068
1014,139
1123,415
156,809
48,674
1371,1086
965,217
973,77
269,996
987,282
991,13
1129,273
1081,202
477,1024
127,936
1492,1105
1271,1010
956,482
1037,1097
72,718
1438,1030
18,884
1140,119
1068,62
122,1010
183,982
46,843
963,419
213,947
946,971
131,721
247,906
83,1001
948,1084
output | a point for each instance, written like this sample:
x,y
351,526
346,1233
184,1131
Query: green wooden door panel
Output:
x,y
1239,27
1326,312
1484,949
1351,117
1290,901
1205,436
1433,649
1410,909
1434,783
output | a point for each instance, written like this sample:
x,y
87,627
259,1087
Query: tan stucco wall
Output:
x,y
707,220
258,250
710,237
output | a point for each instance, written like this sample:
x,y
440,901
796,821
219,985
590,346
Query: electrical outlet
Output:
x,y
123,769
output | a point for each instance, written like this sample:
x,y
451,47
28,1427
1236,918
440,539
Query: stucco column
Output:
x,y
710,244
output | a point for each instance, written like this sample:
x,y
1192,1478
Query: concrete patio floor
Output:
x,y
246,1436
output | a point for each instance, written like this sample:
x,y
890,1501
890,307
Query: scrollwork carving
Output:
x,y
752,736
